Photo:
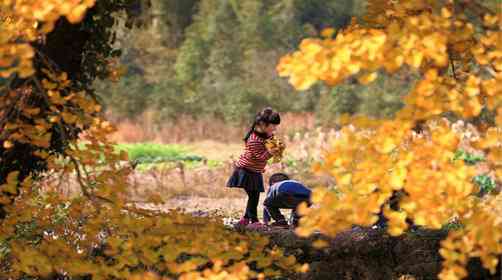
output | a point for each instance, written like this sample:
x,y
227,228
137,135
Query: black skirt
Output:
x,y
246,179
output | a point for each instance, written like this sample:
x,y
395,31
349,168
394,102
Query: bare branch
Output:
x,y
453,69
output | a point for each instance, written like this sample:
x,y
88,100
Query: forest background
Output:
x,y
214,63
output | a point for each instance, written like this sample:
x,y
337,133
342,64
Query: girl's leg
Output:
x,y
252,206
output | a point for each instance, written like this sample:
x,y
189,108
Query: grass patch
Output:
x,y
164,156
144,153
150,150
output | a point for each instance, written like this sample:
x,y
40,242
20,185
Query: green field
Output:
x,y
152,155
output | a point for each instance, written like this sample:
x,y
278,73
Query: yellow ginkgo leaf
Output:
x,y
397,178
416,59
77,13
11,183
367,78
7,144
303,83
327,32
445,13
346,179
386,146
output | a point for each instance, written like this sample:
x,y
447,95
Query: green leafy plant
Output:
x,y
468,158
485,183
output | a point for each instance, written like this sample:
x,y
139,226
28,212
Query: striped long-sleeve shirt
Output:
x,y
255,155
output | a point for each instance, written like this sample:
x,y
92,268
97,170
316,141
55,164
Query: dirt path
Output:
x,y
228,207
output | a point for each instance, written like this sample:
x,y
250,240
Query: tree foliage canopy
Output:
x,y
455,47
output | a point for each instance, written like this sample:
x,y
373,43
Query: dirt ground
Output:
x,y
231,208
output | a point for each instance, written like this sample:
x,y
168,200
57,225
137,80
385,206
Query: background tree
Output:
x,y
32,58
220,50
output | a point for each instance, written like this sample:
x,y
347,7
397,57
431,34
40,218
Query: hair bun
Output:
x,y
265,116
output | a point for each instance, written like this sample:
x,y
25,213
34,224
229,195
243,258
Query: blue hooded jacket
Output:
x,y
290,187
286,194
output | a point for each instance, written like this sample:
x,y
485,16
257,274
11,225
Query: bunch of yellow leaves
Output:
x,y
275,143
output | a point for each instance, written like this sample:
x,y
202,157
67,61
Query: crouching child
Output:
x,y
284,193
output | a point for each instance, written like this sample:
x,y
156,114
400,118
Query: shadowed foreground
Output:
x,y
371,254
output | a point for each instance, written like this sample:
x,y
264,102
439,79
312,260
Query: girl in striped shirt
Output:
x,y
249,168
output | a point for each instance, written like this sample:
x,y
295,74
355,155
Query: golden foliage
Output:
x,y
99,233
29,21
276,143
75,238
375,158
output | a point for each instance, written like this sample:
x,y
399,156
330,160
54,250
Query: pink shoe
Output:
x,y
243,222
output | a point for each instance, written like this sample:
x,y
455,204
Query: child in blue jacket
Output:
x,y
287,194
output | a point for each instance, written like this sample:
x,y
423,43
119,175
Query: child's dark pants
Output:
x,y
252,206
272,205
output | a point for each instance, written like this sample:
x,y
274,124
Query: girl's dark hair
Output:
x,y
265,116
